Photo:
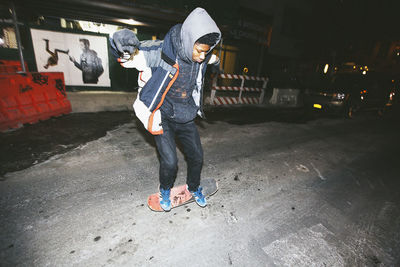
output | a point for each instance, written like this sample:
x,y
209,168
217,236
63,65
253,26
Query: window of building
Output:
x,y
8,38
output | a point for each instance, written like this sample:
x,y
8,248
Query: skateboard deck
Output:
x,y
180,195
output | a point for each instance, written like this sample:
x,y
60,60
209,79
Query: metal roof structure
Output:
x,y
100,11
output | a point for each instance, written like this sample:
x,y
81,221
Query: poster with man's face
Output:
x,y
82,58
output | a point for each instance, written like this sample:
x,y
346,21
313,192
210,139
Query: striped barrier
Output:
x,y
235,100
226,100
237,88
245,77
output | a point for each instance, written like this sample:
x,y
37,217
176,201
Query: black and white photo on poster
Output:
x,y
82,58
89,63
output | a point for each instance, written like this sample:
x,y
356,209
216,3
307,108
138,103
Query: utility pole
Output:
x,y
18,36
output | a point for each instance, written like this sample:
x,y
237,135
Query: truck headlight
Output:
x,y
339,96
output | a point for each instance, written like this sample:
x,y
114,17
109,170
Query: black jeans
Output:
x,y
189,137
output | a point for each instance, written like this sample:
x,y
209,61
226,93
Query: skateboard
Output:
x,y
180,195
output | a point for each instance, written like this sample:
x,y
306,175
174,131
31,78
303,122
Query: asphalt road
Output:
x,y
293,191
36,143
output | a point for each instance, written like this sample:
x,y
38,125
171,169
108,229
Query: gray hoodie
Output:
x,y
179,105
196,25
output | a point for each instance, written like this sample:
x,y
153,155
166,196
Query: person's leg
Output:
x,y
61,51
49,62
190,139
166,148
47,47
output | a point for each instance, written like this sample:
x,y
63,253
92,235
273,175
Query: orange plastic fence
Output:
x,y
31,97
11,66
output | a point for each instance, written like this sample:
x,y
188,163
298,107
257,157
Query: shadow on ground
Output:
x,y
253,114
36,143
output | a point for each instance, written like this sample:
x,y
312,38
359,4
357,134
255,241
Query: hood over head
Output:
x,y
196,25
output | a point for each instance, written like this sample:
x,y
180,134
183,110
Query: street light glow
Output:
x,y
131,22
326,68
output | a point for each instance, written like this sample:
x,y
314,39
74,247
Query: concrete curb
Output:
x,y
96,101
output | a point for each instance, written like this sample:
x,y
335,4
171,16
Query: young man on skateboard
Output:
x,y
172,75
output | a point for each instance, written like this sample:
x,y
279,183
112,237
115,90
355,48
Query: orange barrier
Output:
x,y
31,97
11,66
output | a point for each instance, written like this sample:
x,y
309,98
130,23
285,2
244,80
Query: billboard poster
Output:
x,y
83,58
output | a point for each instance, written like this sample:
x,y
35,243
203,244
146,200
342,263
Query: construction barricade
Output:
x,y
30,97
285,97
11,66
238,94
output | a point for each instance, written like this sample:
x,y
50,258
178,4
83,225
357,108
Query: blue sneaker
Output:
x,y
165,202
199,197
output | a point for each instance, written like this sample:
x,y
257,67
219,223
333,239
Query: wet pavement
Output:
x,y
33,144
